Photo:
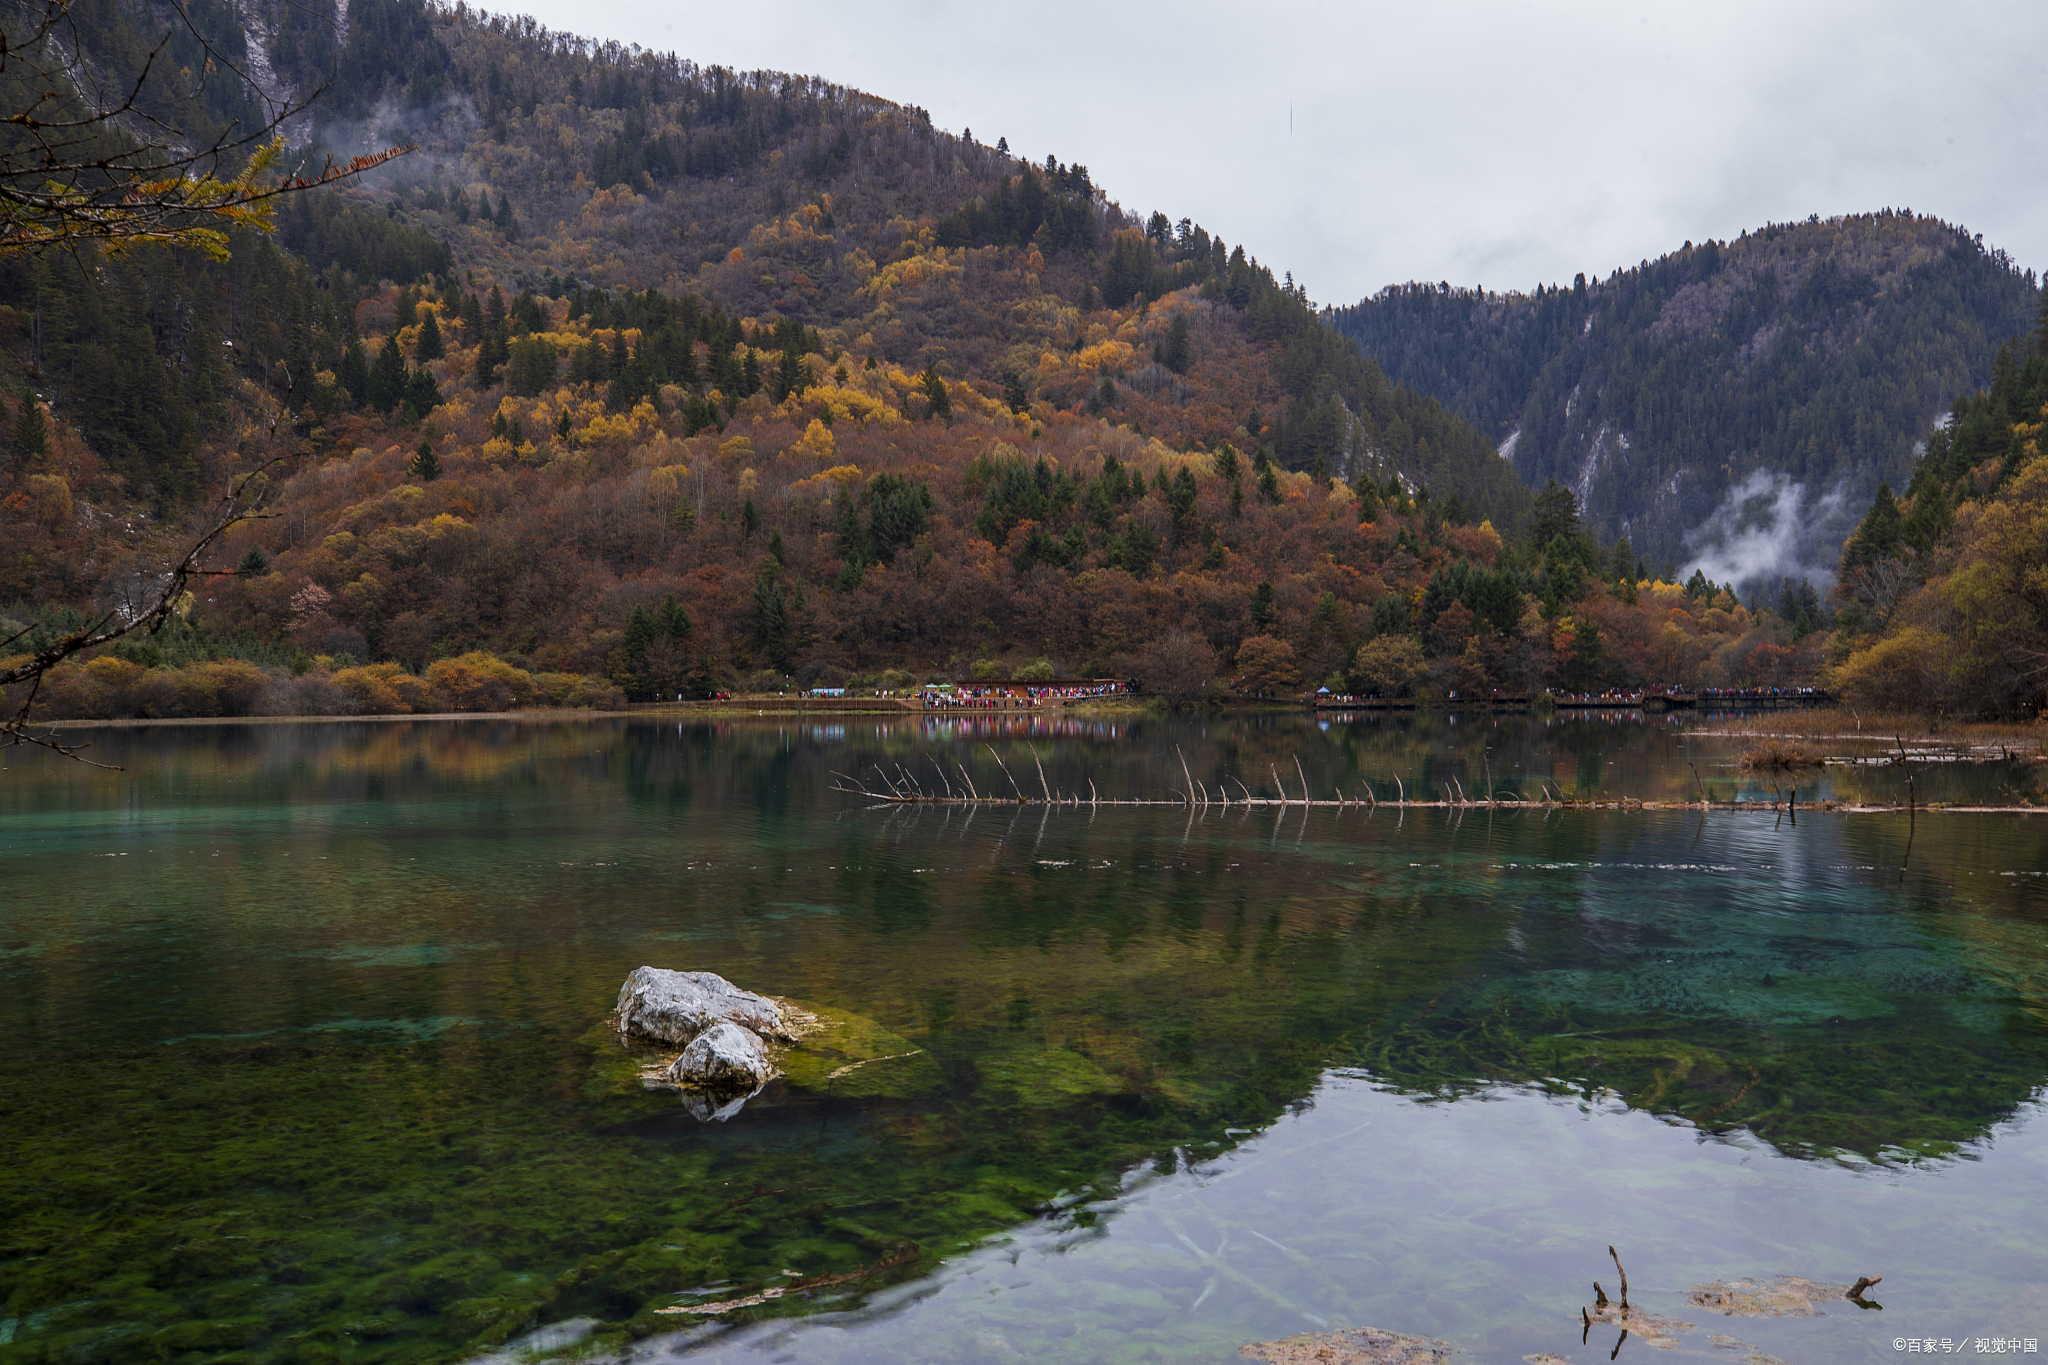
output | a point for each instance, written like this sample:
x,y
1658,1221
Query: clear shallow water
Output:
x,y
299,1059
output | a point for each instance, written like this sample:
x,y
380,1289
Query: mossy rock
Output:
x,y
839,1053
851,1055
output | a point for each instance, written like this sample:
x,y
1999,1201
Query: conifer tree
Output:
x,y
941,409
355,373
31,435
1178,348
386,388
426,466
493,350
422,395
429,346
792,375
674,620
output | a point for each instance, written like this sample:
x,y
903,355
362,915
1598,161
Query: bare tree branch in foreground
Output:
x,y
243,501
81,165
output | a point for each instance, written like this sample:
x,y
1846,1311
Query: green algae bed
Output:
x,y
304,1055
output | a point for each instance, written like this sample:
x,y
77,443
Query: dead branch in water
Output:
x,y
906,790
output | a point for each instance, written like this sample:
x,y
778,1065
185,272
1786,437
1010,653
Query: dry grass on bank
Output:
x,y
1781,754
1787,739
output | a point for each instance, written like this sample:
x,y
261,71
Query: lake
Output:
x,y
302,1053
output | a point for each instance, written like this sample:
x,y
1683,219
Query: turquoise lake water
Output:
x,y
301,1055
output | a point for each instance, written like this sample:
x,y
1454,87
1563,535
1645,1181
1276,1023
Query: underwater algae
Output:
x,y
425,1150
1349,1346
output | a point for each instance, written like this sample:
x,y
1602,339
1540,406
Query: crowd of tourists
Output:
x,y
1014,696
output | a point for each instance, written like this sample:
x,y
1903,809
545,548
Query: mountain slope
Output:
x,y
745,338
1730,403
694,378
1944,602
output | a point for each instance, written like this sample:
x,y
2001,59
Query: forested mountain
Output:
x,y
1766,384
1944,592
691,378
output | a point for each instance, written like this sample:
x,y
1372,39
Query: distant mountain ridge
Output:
x,y
1733,404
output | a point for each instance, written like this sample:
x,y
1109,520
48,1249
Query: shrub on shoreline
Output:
x,y
109,688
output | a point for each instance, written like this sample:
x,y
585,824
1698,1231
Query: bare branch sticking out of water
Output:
x,y
1454,797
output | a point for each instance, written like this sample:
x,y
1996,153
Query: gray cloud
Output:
x,y
1496,143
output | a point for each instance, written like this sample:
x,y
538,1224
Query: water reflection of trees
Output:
x,y
1191,959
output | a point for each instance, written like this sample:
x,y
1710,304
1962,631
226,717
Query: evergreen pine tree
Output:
x,y
1262,605
562,426
750,520
386,388
254,564
31,435
507,222
935,390
422,395
355,373
426,466
493,350
1178,348
674,620
792,375
429,346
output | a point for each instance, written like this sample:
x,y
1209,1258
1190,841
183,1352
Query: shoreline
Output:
x,y
725,710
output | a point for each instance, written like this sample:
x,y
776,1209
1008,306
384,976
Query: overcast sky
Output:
x,y
1359,145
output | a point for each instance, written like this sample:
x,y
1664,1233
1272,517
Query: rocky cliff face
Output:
x,y
1728,404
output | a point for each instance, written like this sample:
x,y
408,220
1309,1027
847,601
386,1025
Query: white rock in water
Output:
x,y
674,1007
723,1057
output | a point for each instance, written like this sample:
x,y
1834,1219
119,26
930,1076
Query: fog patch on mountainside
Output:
x,y
1768,528
436,130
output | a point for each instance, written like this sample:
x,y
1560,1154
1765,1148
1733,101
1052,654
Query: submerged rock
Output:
x,y
1349,1346
723,1057
1777,1296
675,1007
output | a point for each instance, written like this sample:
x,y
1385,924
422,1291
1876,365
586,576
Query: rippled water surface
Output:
x,y
301,1056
